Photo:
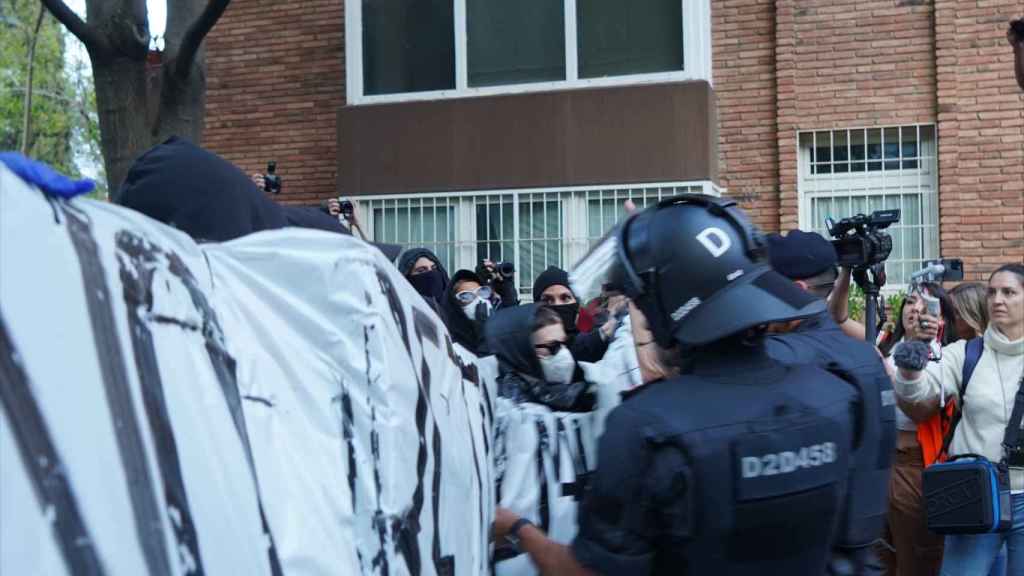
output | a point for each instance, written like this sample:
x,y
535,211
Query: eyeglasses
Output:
x,y
552,347
468,296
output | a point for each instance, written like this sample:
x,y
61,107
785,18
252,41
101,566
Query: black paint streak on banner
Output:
x,y
224,367
131,447
581,450
542,448
409,541
347,433
42,463
380,560
137,282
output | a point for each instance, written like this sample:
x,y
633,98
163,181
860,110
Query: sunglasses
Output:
x,y
468,296
552,347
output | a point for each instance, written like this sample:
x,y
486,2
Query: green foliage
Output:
x,y
65,128
856,303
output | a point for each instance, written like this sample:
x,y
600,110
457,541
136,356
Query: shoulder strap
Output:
x,y
972,354
1012,433
973,351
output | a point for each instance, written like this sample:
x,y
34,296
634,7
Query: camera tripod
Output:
x,y
871,279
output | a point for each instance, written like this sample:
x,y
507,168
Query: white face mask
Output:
x,y
470,310
558,369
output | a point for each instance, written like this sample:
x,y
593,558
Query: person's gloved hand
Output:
x,y
911,355
47,179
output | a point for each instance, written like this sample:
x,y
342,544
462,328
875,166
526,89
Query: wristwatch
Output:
x,y
513,533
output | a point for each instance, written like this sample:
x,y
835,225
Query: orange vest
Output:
x,y
930,435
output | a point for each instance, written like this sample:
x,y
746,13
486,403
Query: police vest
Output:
x,y
821,342
768,456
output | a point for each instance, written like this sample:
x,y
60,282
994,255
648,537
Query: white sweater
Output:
x,y
989,398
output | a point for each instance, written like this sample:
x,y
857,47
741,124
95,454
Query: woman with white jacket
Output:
x,y
987,404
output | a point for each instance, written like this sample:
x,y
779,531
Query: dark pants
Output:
x,y
918,551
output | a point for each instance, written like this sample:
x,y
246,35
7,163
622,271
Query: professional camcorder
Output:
x,y
271,181
859,241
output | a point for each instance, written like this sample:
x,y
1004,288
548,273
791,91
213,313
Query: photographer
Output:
x,y
552,288
985,409
501,279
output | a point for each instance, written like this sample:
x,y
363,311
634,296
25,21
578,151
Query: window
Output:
x,y
533,229
858,171
515,42
408,46
617,38
399,50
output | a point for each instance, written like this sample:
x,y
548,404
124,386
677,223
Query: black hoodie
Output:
x,y
408,259
521,378
464,331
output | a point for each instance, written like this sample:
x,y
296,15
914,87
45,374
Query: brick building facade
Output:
x,y
816,108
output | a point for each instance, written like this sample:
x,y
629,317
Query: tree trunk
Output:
x,y
122,99
26,124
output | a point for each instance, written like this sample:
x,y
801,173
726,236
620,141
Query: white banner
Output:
x,y
282,403
543,459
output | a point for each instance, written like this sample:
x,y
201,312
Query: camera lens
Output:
x,y
506,269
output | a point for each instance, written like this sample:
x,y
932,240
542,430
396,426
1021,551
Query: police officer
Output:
x,y
809,260
739,466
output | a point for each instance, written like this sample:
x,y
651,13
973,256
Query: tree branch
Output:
x,y
195,34
89,36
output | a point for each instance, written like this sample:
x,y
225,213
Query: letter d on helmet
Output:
x,y
699,271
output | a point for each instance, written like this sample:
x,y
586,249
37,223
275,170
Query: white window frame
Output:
x,y
868,183
576,238
696,59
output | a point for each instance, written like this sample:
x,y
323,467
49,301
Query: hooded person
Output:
x,y
424,271
534,360
210,199
552,289
466,307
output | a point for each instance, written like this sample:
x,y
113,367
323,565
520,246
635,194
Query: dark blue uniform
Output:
x,y
819,341
738,467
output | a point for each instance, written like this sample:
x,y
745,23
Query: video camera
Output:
x,y
271,181
506,269
859,241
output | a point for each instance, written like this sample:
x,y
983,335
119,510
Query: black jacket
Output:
x,y
520,378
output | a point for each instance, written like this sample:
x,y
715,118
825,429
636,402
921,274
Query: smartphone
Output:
x,y
954,269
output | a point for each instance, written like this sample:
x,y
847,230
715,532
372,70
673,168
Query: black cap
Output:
x,y
553,276
799,255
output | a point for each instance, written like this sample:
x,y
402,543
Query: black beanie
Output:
x,y
553,276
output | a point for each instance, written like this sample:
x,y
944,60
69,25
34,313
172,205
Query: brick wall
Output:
x,y
783,67
981,135
275,82
848,64
743,53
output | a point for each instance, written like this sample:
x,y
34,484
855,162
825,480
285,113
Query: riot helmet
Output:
x,y
698,269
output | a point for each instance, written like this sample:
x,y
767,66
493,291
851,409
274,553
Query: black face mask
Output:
x,y
429,284
568,313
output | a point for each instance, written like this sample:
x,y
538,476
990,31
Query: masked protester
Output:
x,y
423,269
738,466
536,364
552,289
467,305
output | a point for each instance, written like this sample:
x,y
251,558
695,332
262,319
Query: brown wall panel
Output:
x,y
652,133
